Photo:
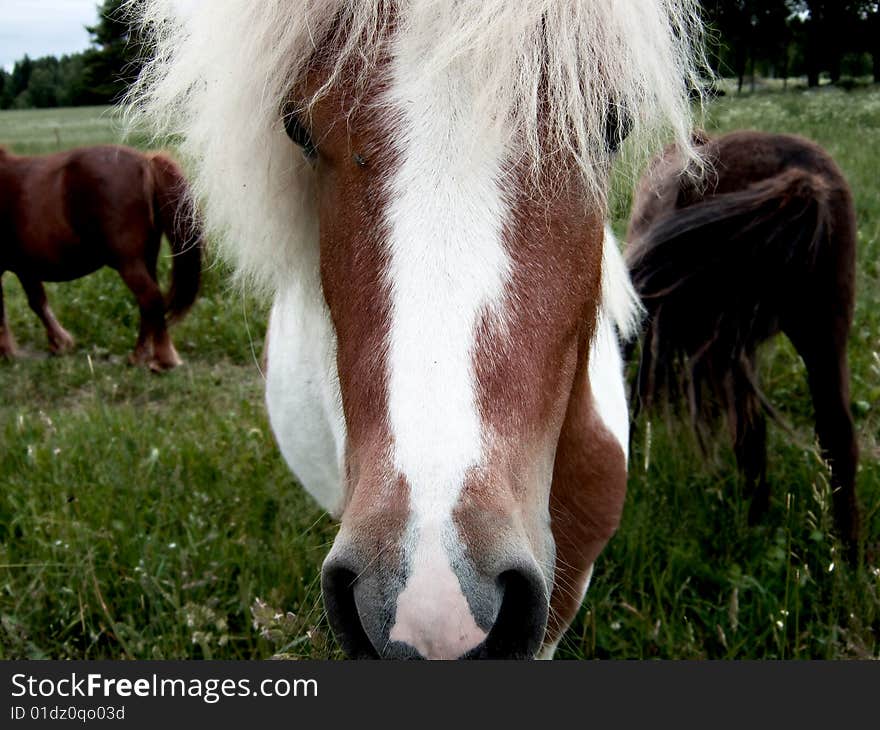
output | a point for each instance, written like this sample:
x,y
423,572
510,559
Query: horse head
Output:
x,y
424,195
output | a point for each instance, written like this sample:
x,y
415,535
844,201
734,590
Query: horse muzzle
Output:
x,y
435,608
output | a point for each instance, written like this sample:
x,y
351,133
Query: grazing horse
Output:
x,y
65,215
764,245
420,184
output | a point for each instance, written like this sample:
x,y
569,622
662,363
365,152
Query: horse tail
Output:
x,y
711,276
176,217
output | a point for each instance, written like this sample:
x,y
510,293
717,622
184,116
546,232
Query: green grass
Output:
x,y
152,517
35,131
685,576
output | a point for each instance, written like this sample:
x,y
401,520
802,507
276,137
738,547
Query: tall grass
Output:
x,y
152,517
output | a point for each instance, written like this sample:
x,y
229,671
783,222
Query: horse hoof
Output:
x,y
164,358
163,367
139,358
62,344
8,351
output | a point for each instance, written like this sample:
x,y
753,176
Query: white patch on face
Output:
x,y
447,268
433,615
302,392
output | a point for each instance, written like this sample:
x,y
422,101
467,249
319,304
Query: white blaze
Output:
x,y
448,267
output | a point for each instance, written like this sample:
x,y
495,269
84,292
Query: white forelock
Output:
x,y
224,68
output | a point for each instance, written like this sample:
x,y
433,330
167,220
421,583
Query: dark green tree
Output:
x,y
869,17
21,76
72,90
747,33
832,27
42,89
777,37
115,61
5,89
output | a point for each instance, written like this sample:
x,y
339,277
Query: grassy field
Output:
x,y
152,517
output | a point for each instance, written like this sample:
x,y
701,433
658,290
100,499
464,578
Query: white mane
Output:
x,y
224,68
620,301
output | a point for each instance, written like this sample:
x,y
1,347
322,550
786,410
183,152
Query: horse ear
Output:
x,y
618,125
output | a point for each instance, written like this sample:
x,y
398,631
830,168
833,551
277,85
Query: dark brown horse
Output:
x,y
763,244
65,215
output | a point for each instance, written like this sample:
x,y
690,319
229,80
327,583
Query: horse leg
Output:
x,y
749,431
60,340
750,448
7,343
165,355
153,344
824,353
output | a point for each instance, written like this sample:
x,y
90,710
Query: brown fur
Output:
x,y
352,261
765,245
586,503
65,215
530,384
535,390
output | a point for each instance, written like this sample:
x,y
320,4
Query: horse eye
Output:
x,y
300,135
618,125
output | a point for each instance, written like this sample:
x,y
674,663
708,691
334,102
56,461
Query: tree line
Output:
x,y
785,38
745,39
98,75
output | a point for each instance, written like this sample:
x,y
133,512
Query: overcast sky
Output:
x,y
44,27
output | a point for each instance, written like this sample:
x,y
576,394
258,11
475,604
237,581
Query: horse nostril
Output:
x,y
337,585
518,630
357,605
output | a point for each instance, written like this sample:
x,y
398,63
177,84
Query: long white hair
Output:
x,y
550,70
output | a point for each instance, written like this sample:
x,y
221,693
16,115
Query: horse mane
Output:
x,y
620,300
553,72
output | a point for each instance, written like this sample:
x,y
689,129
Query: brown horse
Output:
x,y
765,244
65,215
421,185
